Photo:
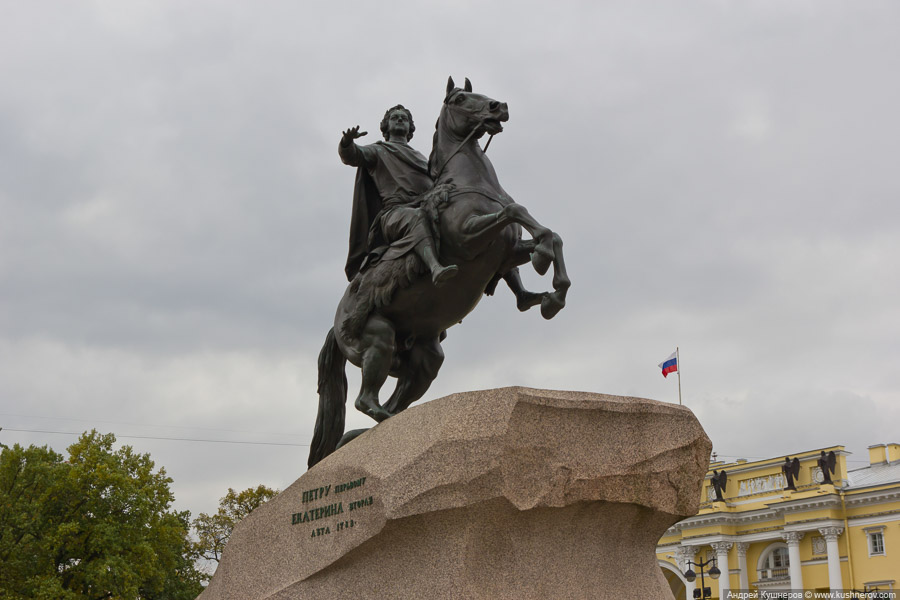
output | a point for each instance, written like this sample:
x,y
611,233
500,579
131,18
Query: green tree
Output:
x,y
98,525
213,531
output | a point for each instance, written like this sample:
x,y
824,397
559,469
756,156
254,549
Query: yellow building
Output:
x,y
821,537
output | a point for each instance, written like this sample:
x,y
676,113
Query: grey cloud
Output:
x,y
174,214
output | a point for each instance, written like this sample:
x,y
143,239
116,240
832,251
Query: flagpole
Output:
x,y
678,362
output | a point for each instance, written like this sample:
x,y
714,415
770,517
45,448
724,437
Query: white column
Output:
x,y
835,582
742,565
682,556
793,541
722,549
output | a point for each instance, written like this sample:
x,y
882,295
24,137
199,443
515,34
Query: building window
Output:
x,y
876,543
776,564
886,586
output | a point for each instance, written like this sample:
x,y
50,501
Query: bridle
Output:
x,y
466,139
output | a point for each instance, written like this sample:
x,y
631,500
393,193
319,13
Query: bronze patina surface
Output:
x,y
428,239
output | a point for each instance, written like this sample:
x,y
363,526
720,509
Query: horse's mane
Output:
x,y
433,158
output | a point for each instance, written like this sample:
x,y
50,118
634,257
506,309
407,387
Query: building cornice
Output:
x,y
852,498
760,534
813,525
874,519
797,505
723,518
775,510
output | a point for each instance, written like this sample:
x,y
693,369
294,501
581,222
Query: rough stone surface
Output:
x,y
509,493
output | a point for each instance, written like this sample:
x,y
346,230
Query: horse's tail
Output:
x,y
332,400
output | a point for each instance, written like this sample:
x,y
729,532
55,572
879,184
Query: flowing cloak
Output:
x,y
389,175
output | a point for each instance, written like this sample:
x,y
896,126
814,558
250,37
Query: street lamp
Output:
x,y
714,572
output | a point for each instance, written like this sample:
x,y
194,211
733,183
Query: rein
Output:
x,y
474,190
457,149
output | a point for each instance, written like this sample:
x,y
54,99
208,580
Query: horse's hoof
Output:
x,y
551,305
350,436
379,414
540,260
444,274
376,411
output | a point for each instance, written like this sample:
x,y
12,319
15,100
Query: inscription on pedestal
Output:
x,y
333,508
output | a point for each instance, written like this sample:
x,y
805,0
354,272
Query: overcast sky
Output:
x,y
174,215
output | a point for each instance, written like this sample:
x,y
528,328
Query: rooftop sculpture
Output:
x,y
791,470
719,481
826,463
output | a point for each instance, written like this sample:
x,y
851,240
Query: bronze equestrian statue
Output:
x,y
428,239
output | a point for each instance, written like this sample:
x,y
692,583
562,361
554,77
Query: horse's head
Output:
x,y
469,114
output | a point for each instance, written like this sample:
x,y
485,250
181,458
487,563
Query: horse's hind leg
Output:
x,y
420,368
377,341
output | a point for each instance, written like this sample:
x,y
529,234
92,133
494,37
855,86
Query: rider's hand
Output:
x,y
352,134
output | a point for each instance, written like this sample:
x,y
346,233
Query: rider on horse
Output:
x,y
390,321
388,221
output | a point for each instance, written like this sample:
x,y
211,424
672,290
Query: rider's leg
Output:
x,y
411,223
439,273
379,343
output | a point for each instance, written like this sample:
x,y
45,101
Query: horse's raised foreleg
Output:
x,y
521,254
524,298
555,301
378,343
491,224
543,254
509,272
423,361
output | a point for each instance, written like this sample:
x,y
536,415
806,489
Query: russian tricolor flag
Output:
x,y
670,365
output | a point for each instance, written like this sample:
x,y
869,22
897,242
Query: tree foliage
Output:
x,y
98,525
214,531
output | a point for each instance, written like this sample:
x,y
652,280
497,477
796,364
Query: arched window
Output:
x,y
774,563
675,579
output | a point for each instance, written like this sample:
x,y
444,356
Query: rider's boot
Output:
x,y
439,273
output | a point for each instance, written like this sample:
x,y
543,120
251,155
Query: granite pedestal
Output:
x,y
509,493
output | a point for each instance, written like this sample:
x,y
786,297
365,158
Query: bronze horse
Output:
x,y
391,320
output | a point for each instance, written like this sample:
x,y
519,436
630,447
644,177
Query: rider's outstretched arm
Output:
x,y
353,154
